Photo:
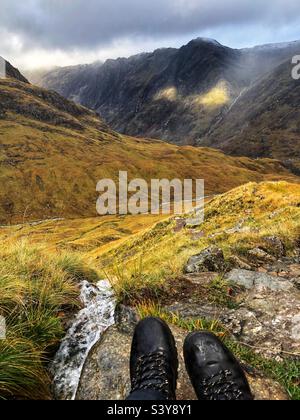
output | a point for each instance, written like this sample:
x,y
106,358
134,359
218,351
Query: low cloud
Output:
x,y
89,29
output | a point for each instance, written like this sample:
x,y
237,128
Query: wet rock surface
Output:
x,y
85,330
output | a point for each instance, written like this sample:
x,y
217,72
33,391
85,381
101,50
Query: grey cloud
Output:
x,y
87,24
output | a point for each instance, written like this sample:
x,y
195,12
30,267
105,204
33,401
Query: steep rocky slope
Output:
x,y
13,72
170,94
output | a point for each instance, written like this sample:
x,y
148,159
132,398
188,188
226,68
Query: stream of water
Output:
x,y
90,323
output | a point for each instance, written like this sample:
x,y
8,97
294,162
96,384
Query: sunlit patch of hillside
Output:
x,y
216,97
169,94
89,236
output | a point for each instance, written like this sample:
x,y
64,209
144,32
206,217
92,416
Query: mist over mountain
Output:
x,y
264,121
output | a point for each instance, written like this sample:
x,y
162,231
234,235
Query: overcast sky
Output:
x,y
41,33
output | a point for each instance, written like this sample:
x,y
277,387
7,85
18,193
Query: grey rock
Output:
x,y
258,255
237,262
180,225
210,259
277,247
258,281
201,279
131,99
193,223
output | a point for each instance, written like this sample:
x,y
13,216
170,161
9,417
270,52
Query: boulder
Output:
x,y
193,223
210,259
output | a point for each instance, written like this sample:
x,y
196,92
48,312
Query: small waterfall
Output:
x,y
90,323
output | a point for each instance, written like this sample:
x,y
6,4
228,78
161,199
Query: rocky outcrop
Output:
x,y
266,316
258,310
260,282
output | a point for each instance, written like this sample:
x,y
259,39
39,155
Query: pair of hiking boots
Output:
x,y
214,372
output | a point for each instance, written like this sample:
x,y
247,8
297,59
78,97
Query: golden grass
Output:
x,y
138,252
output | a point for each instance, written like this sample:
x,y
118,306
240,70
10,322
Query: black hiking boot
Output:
x,y
154,362
214,371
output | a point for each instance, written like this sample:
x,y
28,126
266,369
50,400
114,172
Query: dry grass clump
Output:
x,y
37,289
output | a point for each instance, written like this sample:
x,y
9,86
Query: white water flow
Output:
x,y
86,330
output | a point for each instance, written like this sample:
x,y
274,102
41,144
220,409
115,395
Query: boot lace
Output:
x,y
152,373
221,386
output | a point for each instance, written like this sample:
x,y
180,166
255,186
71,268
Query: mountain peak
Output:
x,y
203,40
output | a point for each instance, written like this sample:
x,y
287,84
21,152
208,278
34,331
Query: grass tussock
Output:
x,y
38,290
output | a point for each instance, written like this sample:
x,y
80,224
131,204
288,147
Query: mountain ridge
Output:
x,y
13,72
171,94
